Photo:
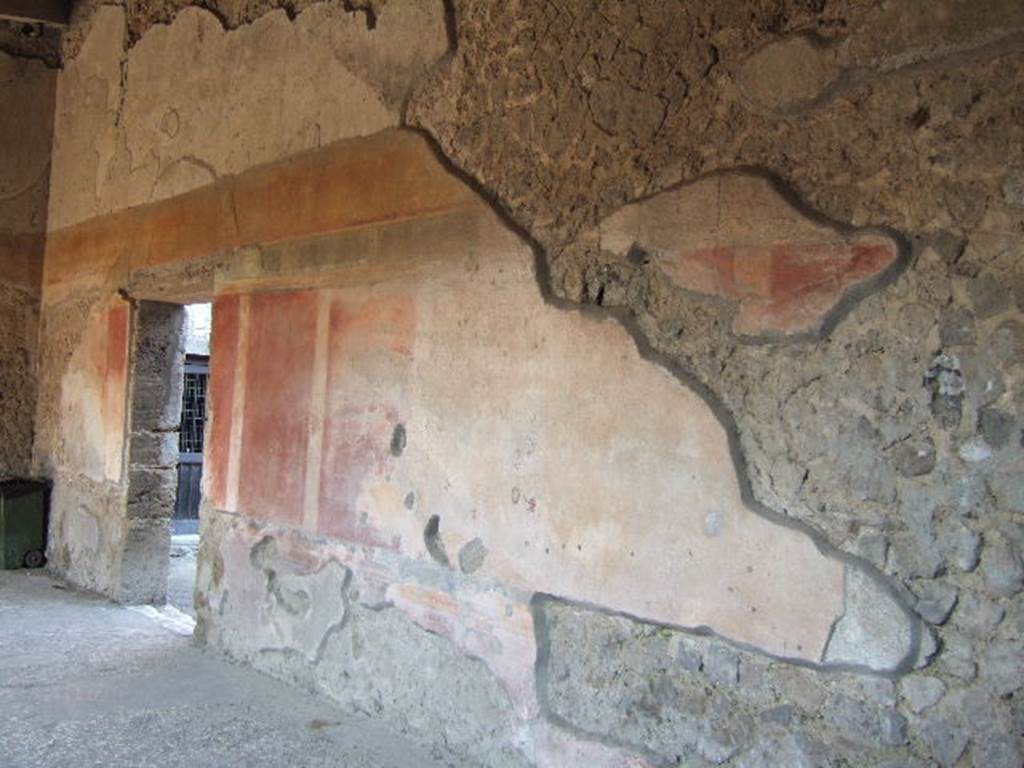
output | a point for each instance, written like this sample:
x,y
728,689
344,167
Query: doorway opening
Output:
x,y
170,372
181,572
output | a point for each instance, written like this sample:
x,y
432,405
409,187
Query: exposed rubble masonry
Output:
x,y
658,404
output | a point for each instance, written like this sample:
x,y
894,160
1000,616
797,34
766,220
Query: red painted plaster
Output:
x,y
782,287
279,370
223,363
115,384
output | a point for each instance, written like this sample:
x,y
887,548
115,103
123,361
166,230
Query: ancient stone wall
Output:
x,y
26,125
659,402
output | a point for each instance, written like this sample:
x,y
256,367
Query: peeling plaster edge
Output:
x,y
445,578
434,575
334,627
731,429
543,641
290,12
711,399
856,292
1002,44
687,378
839,619
850,297
434,71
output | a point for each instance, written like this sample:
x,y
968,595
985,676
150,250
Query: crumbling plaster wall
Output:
x,y
27,88
137,124
889,422
145,123
896,429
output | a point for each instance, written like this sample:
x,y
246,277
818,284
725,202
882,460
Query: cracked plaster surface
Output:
x,y
118,144
565,112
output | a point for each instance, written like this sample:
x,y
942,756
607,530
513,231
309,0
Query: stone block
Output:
x,y
957,328
957,657
875,631
865,724
914,457
155,449
144,562
1000,667
935,602
151,492
989,296
958,543
873,546
985,383
1001,566
944,379
805,688
688,655
995,426
721,665
876,690
921,692
996,750
1007,343
1013,187
788,74
977,615
945,737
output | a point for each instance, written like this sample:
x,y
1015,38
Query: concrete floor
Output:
x,y
87,683
181,576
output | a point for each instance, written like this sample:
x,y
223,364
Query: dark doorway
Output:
x,y
190,444
196,376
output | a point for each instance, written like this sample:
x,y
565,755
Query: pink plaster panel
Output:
x,y
223,364
279,366
578,468
115,385
369,348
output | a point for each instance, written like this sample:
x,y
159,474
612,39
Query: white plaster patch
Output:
x,y
81,528
975,450
168,617
874,631
714,522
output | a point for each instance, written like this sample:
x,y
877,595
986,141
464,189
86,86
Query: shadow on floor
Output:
x,y
181,576
84,682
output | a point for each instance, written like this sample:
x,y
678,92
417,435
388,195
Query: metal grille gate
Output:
x,y
190,441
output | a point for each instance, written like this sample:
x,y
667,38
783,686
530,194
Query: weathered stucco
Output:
x,y
795,231
26,130
734,236
148,123
454,416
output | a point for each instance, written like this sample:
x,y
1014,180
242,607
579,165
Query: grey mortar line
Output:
x,y
713,401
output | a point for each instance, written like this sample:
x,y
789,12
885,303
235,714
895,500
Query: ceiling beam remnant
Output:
x,y
54,12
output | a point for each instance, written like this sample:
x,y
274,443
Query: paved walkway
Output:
x,y
87,683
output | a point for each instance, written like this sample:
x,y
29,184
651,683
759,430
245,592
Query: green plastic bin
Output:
x,y
22,524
